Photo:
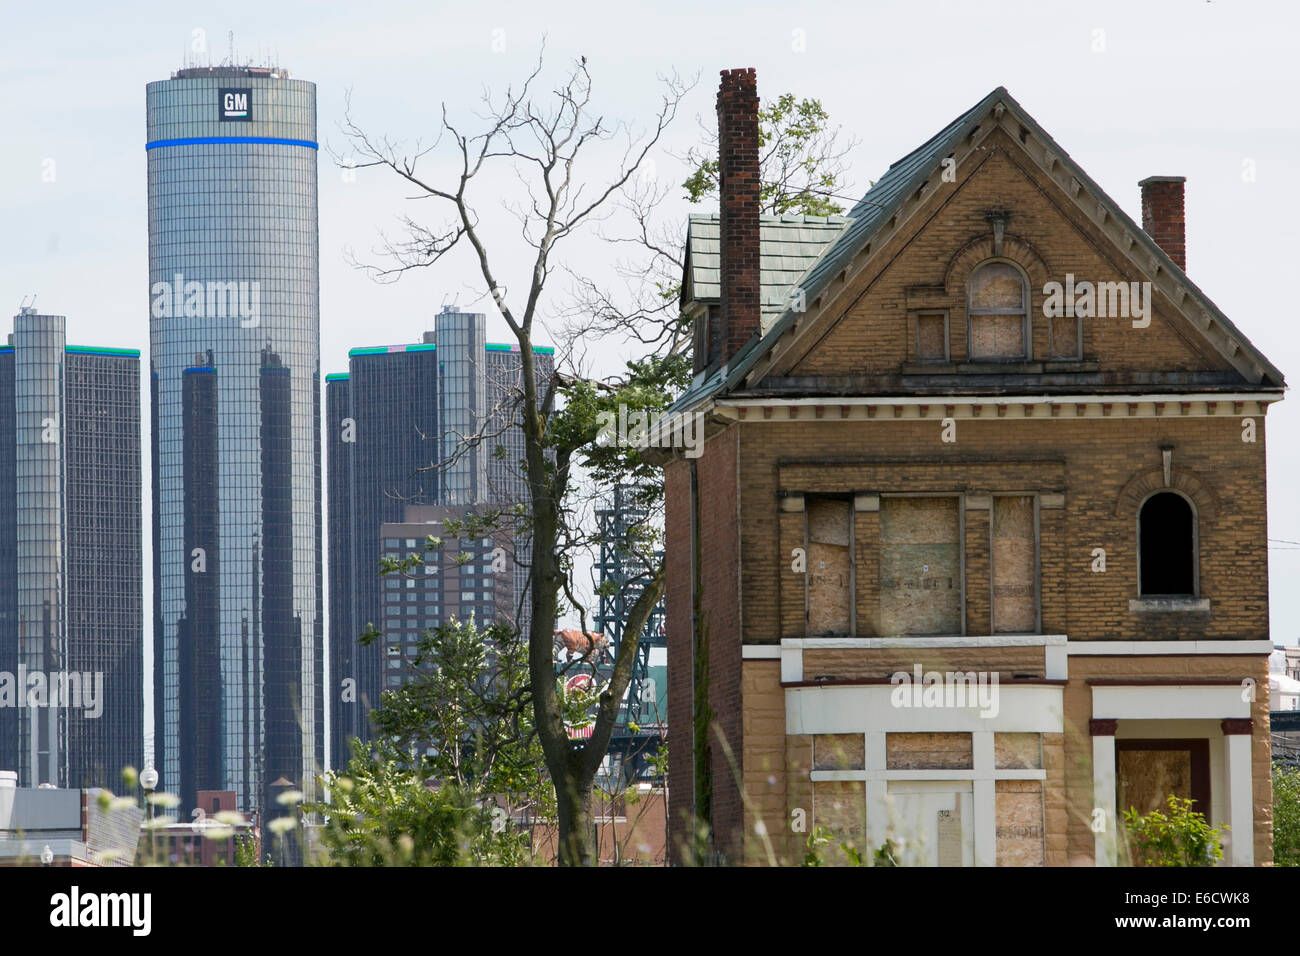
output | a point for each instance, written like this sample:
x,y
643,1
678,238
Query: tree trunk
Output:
x,y
576,840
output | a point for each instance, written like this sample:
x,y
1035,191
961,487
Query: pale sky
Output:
x,y
1200,89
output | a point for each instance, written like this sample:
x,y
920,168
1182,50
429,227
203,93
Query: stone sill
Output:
x,y
1175,604
1035,367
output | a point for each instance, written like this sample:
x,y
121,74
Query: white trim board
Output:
x,y
1169,702
1127,648
973,640
848,709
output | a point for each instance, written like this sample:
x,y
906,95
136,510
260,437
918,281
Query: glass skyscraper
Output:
x,y
234,360
395,437
71,597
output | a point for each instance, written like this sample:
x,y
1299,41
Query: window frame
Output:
x,y
1196,544
1026,325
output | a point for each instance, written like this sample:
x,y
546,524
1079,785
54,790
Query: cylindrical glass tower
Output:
x,y
234,352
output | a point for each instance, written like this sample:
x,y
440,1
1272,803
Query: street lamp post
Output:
x,y
148,781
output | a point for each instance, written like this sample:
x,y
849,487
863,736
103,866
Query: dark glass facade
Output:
x,y
71,593
234,352
395,429
457,582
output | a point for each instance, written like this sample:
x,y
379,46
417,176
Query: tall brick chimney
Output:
x,y
738,183
1162,215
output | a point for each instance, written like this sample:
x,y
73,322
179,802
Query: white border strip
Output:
x,y
1269,395
869,643
1125,648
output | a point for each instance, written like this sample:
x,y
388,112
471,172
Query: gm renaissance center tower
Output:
x,y
234,354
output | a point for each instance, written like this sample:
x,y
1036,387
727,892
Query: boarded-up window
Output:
x,y
928,752
920,566
1018,751
1148,772
1015,595
839,752
830,589
1019,822
841,807
932,337
1065,337
997,307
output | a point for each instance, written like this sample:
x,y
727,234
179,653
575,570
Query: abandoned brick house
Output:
x,y
927,468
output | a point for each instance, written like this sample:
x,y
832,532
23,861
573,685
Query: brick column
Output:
x,y
1163,216
738,203
794,584
979,618
866,542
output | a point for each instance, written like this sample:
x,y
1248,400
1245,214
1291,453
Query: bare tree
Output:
x,y
548,143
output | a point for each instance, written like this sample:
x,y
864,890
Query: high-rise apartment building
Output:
x,y
71,599
469,577
400,432
234,359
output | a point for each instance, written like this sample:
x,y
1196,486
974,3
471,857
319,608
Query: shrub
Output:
x,y
1181,837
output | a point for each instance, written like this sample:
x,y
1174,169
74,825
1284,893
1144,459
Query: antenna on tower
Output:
x,y
230,36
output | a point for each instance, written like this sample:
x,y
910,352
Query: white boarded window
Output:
x,y
920,566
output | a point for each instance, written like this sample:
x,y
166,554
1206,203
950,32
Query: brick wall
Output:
x,y
677,598
738,201
1094,462
721,621
927,263
1163,217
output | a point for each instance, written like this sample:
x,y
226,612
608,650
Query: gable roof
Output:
x,y
788,246
906,178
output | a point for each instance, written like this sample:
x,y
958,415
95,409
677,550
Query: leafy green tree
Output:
x,y
1286,815
246,853
1180,837
457,758
801,160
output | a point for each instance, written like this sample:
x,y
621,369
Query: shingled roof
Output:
x,y
789,245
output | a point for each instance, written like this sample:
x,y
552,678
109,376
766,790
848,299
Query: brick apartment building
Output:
x,y
917,464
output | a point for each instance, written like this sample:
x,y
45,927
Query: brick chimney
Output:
x,y
738,183
1162,215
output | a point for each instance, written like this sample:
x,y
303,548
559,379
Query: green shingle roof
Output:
x,y
788,245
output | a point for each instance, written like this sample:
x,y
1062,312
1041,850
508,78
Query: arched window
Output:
x,y
1167,546
998,310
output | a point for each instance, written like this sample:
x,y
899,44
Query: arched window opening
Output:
x,y
998,307
1167,545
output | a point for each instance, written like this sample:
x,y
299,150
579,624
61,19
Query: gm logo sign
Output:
x,y
233,104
